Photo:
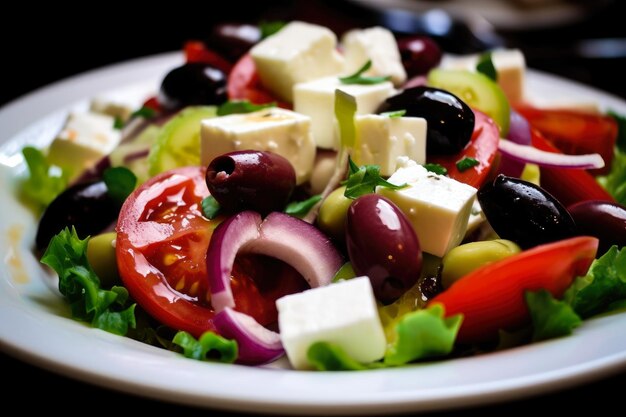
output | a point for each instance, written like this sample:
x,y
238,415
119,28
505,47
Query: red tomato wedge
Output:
x,y
196,51
162,239
575,132
483,146
244,84
569,186
492,297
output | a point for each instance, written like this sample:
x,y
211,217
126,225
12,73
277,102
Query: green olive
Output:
x,y
101,257
464,259
333,213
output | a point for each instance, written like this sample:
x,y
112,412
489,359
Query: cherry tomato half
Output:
x,y
162,239
244,84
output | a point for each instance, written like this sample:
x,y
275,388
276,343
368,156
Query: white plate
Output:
x,y
34,323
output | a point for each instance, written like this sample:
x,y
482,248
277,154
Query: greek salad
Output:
x,y
351,203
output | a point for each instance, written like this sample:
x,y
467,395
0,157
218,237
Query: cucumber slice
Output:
x,y
478,91
178,142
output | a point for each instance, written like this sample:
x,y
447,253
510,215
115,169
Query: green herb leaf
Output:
x,y
615,181
485,66
210,347
240,107
423,334
326,356
359,78
145,112
118,123
364,180
621,129
602,288
210,207
270,28
120,182
394,114
344,273
301,208
44,183
466,163
345,109
551,318
436,168
105,309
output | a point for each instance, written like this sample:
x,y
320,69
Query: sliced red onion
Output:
x,y
257,345
281,236
529,154
416,81
139,154
519,132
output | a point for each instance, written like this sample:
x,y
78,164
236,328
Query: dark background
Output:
x,y
48,43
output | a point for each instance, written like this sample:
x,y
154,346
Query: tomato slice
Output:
x,y
492,297
483,146
569,186
162,239
575,132
244,84
196,51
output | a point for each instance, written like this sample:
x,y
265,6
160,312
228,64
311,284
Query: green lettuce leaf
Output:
x,y
44,183
326,356
551,318
423,334
210,347
615,181
604,286
105,309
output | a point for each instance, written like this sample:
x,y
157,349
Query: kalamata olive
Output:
x,y
603,219
232,40
383,246
523,212
255,180
450,122
87,206
419,54
192,84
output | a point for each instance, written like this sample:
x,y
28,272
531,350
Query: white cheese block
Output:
x,y
84,139
375,44
110,107
284,132
316,99
509,63
380,140
438,207
344,314
298,52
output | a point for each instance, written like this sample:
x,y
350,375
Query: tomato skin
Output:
x,y
196,51
244,84
492,297
483,146
575,132
569,186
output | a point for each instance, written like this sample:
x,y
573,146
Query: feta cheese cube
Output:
x,y
380,140
344,314
316,99
378,45
509,63
84,139
438,207
284,132
298,52
113,108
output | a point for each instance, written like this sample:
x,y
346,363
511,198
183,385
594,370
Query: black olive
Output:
x,y
450,121
87,206
193,84
232,40
524,212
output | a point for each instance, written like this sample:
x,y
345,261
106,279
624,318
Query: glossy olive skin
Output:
x,y
232,40
192,84
87,206
251,180
383,246
419,54
450,122
603,219
523,212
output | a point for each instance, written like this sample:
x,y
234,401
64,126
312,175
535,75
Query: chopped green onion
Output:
x,y
359,78
436,168
394,114
241,106
210,207
466,163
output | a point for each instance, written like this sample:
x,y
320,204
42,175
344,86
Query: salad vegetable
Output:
x,y
198,225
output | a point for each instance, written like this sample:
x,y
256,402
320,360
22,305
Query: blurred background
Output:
x,y
578,39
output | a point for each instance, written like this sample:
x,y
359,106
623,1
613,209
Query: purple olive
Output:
x,y
524,212
419,54
251,180
603,219
193,83
383,246
232,40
